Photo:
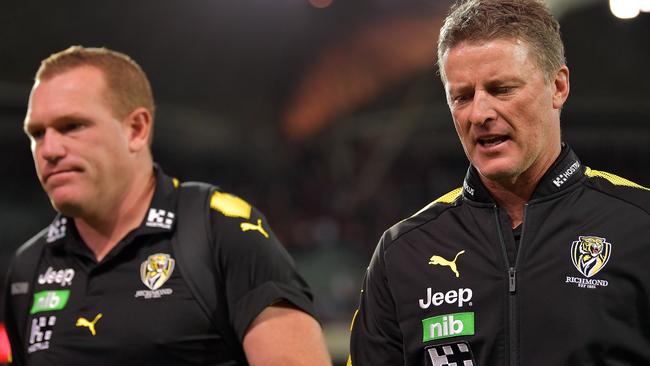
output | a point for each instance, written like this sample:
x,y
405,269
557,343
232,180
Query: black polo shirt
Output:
x,y
134,307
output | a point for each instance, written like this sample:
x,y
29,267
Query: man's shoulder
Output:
x,y
226,215
619,188
35,243
25,260
426,215
220,202
230,205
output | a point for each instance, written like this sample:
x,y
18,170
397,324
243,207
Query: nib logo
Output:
x,y
446,326
49,301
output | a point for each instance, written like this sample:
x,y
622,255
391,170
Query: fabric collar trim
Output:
x,y
565,171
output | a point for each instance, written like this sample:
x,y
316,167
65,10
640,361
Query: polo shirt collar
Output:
x,y
159,219
563,173
161,215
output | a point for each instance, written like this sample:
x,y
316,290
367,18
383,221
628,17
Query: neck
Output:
x,y
511,198
103,231
512,193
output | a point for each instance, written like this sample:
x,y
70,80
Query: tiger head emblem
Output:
x,y
591,245
156,270
590,254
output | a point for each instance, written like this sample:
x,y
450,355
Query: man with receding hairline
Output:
x,y
554,258
108,285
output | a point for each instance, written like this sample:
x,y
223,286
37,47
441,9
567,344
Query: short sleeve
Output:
x,y
376,338
255,268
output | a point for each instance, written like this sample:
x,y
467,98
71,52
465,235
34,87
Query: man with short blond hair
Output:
x,y
111,283
127,86
536,259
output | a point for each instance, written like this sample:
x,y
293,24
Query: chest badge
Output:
x,y
85,323
440,261
156,270
590,254
450,354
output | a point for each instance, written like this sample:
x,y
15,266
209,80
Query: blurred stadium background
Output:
x,y
326,114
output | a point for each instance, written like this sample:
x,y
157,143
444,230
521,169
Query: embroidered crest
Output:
x,y
590,254
156,270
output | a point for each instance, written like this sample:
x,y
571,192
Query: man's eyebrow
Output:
x,y
29,125
460,88
513,79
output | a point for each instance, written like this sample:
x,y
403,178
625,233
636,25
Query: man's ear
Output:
x,y
138,126
561,85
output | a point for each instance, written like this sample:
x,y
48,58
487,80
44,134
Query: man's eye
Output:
x,y
37,134
460,98
503,90
71,127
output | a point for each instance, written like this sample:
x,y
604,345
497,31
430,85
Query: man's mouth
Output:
x,y
59,172
492,140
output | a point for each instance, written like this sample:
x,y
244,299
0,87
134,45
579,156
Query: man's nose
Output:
x,y
482,110
51,147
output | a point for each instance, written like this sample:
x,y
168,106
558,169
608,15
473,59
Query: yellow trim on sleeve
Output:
x,y
614,179
353,318
229,205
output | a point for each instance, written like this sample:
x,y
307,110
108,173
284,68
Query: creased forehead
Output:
x,y
67,94
504,57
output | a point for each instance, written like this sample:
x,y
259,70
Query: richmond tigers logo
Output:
x,y
590,254
156,270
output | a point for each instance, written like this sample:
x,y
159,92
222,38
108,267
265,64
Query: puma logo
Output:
x,y
83,322
246,226
438,260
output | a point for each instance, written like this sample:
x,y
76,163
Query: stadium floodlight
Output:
x,y
625,9
644,6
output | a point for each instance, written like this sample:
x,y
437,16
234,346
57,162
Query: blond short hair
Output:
x,y
529,21
127,85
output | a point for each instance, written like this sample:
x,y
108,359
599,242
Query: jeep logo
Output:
x,y
63,277
460,297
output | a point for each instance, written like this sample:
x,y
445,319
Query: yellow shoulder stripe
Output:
x,y
229,205
614,179
450,197
447,198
